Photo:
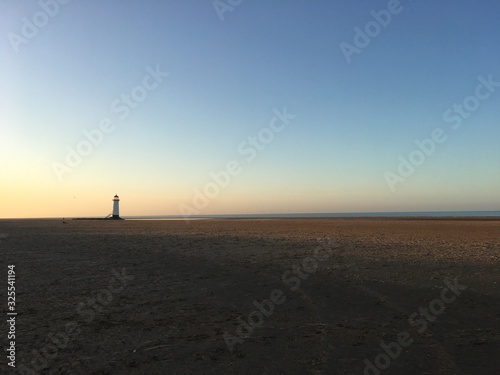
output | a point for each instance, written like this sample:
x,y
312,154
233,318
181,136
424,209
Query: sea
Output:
x,y
451,214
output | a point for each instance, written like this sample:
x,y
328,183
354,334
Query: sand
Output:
x,y
315,296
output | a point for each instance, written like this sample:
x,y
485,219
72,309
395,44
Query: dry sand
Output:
x,y
183,288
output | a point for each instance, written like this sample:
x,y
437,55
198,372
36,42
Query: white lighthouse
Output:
x,y
116,207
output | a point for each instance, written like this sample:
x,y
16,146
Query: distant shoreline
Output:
x,y
472,215
361,215
94,218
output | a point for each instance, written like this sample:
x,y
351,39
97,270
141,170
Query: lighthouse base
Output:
x,y
115,217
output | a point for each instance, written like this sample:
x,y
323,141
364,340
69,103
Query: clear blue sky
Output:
x,y
226,77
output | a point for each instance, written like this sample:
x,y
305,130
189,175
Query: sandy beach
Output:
x,y
287,296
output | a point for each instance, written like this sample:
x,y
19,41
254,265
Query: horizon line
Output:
x,y
489,213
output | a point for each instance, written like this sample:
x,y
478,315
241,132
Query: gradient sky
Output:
x,y
226,77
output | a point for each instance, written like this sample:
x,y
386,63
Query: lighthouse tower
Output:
x,y
116,208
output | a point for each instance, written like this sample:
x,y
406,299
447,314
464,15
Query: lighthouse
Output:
x,y
116,208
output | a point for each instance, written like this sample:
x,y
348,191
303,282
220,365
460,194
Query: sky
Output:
x,y
217,107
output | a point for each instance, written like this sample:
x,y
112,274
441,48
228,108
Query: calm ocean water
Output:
x,y
326,215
